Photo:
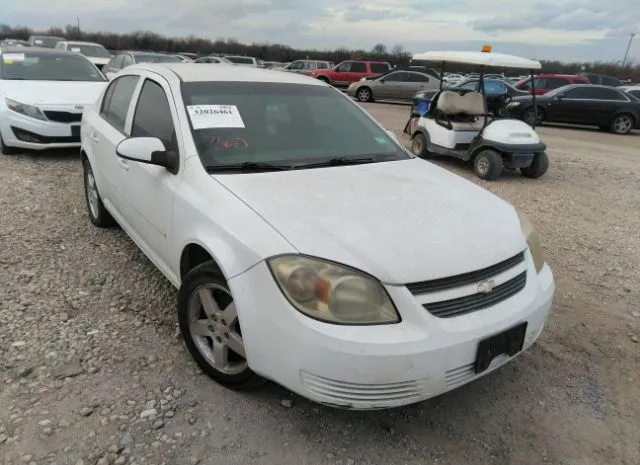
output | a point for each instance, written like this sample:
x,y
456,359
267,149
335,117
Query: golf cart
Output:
x,y
456,123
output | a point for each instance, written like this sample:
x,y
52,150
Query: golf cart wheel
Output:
x,y
7,150
622,124
488,165
529,116
419,145
210,325
364,94
538,167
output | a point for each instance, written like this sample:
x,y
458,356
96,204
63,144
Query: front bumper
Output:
x,y
371,367
351,90
21,131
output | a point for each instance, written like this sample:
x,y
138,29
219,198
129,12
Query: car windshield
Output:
x,y
152,58
34,66
90,50
282,124
240,60
46,41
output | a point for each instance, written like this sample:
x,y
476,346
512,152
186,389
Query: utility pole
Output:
x,y
626,54
78,19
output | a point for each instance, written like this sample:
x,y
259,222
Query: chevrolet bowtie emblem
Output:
x,y
486,287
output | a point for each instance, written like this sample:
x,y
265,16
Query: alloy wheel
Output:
x,y
92,193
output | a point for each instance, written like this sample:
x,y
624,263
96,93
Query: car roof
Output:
x,y
39,50
194,72
82,42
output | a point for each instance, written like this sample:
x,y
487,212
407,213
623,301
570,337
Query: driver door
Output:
x,y
148,190
390,86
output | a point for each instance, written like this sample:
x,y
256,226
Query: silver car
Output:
x,y
307,66
396,85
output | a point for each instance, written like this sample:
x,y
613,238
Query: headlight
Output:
x,y
27,110
533,241
332,293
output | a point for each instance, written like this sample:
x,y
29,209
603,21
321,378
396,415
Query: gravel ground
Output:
x,y
91,370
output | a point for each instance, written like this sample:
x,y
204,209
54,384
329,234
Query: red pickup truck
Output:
x,y
351,71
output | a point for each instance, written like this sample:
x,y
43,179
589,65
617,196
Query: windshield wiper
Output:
x,y
337,161
249,166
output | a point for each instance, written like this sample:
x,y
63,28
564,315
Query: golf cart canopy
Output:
x,y
498,60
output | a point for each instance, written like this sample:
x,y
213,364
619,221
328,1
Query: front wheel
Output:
x,y
364,94
488,165
5,150
209,324
538,167
419,145
622,124
98,214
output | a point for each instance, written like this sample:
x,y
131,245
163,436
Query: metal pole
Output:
x,y
78,19
626,54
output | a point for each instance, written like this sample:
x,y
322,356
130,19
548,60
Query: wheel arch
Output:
x,y
195,253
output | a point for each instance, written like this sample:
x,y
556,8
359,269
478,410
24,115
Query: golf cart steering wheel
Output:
x,y
506,98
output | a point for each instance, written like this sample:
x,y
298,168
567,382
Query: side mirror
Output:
x,y
149,150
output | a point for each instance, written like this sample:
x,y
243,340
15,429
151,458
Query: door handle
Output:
x,y
94,137
123,164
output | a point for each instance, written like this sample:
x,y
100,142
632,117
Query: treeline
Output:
x,y
397,55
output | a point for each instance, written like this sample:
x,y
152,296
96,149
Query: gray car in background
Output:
x,y
396,85
307,66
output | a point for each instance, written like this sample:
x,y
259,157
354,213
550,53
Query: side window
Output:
x,y
494,87
308,65
416,77
60,45
540,83
610,81
395,77
322,65
554,83
126,61
579,93
607,94
471,85
379,68
358,67
115,105
296,65
152,117
345,67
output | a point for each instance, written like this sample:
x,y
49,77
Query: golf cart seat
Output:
x,y
460,112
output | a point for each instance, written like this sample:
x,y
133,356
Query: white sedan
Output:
x,y
42,96
308,246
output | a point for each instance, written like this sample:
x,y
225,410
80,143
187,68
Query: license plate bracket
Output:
x,y
508,342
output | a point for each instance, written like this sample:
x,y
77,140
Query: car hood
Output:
x,y
52,92
401,221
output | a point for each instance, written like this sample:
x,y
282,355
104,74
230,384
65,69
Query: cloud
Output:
x,y
573,29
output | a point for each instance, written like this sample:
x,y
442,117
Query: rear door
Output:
x,y
607,102
357,71
415,82
106,130
148,190
391,86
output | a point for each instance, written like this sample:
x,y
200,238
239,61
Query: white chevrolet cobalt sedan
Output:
x,y
309,247
43,93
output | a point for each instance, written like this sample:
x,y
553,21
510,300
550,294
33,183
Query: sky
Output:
x,y
568,30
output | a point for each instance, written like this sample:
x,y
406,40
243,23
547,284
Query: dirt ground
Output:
x,y
91,370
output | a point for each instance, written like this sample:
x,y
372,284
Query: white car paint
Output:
x,y
57,96
71,45
401,221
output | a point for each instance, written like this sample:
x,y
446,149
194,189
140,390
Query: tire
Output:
x,y
622,124
5,150
98,215
538,167
528,116
217,328
419,144
488,165
364,94
324,79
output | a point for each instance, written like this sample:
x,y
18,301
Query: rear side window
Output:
x,y
395,77
379,68
322,65
358,67
580,93
116,64
126,61
554,83
610,81
117,99
608,94
416,77
152,117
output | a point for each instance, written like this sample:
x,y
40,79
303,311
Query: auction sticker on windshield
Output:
x,y
215,116
75,49
9,58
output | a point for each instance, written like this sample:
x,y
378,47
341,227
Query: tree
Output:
x,y
379,50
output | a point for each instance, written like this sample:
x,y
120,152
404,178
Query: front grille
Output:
x,y
473,277
471,303
63,116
